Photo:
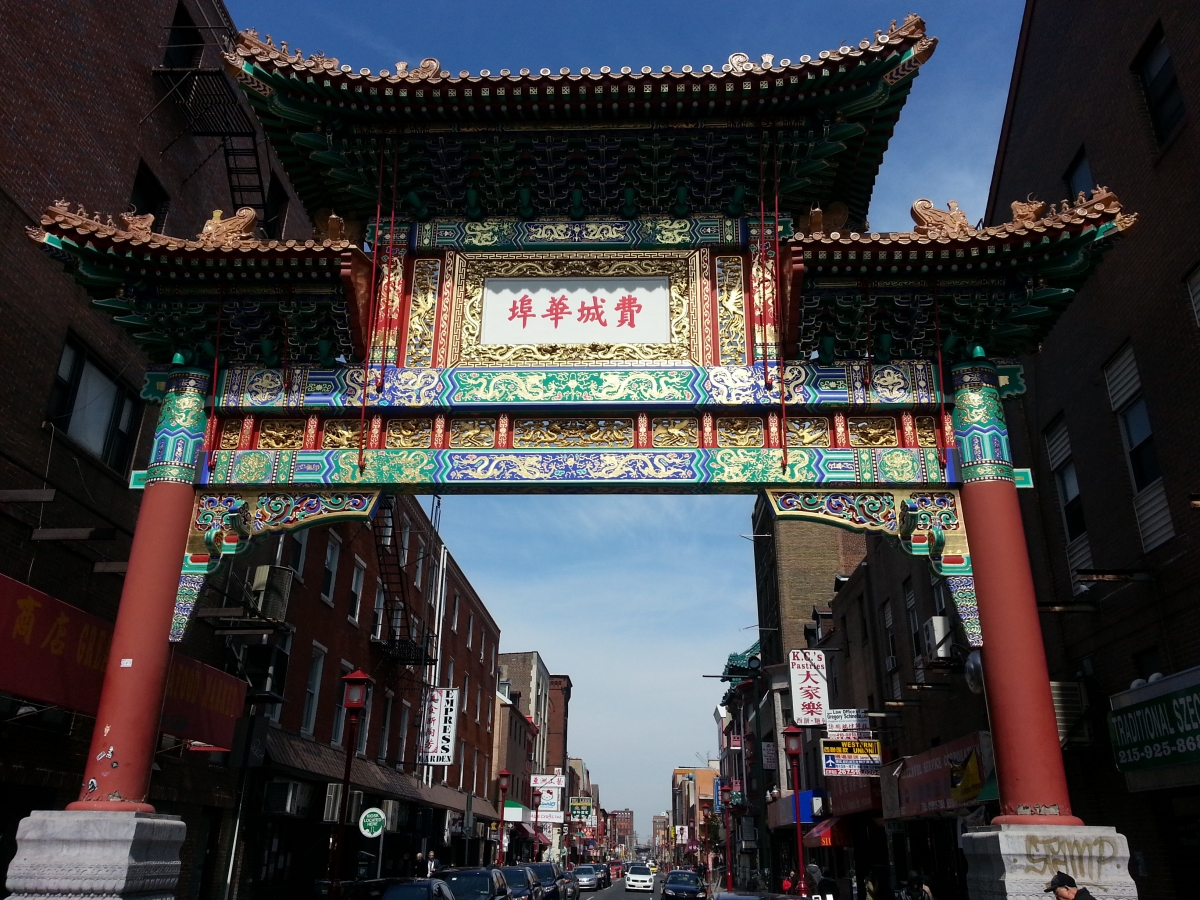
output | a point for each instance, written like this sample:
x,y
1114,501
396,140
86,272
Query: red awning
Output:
x,y
542,839
522,832
829,833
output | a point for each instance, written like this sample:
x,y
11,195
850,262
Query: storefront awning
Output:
x,y
829,833
542,839
521,832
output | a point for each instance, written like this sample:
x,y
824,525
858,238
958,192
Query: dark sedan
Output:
x,y
555,883
684,885
475,884
523,884
397,889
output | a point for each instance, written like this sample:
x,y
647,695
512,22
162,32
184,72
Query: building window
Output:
x,y
94,410
1072,503
493,672
466,694
364,721
339,708
405,711
478,702
1193,286
450,674
914,626
405,535
1139,445
470,630
276,209
297,544
939,595
377,619
333,550
462,762
454,620
420,563
312,691
356,586
1079,177
385,732
150,197
185,46
1164,101
475,772
491,704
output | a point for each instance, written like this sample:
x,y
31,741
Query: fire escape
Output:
x,y
392,630
211,106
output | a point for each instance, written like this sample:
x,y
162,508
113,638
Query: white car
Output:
x,y
639,878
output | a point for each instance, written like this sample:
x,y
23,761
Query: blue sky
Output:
x,y
636,597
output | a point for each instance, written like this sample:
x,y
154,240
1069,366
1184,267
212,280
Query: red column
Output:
x,y
123,742
1029,766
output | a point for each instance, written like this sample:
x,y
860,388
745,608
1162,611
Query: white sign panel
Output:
x,y
810,687
555,817
550,800
440,728
558,780
623,310
681,834
848,722
851,757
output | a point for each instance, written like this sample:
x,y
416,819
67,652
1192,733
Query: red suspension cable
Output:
x,y
762,263
937,332
387,322
781,322
362,419
210,431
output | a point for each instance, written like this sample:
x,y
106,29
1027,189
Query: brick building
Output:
x,y
1107,422
621,823
557,714
515,738
529,677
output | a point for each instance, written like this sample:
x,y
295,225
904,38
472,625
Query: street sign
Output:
x,y
810,687
848,723
371,822
851,757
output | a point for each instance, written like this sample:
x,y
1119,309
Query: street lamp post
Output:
x,y
793,743
726,799
537,828
502,777
353,702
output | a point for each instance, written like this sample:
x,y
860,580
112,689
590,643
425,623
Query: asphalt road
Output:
x,y
618,892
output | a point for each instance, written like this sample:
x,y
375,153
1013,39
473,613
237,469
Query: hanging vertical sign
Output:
x,y
810,686
439,728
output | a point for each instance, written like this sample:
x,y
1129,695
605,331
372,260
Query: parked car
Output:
x,y
639,878
684,884
475,884
586,878
573,890
523,884
397,889
554,881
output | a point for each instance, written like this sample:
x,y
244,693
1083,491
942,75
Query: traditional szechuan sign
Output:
x,y
857,758
1159,732
576,311
810,687
440,728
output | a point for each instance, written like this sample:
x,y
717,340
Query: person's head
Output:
x,y
431,854
1062,886
915,881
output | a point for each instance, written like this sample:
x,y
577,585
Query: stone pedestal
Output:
x,y
96,855
1015,862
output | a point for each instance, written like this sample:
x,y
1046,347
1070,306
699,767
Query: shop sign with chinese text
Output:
x,y
848,723
440,728
849,757
581,809
810,687
624,310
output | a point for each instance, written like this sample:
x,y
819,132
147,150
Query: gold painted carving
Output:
x,y
273,434
731,311
231,433
529,433
872,431
422,313
473,434
739,432
926,431
340,434
681,267
220,232
409,434
934,223
676,432
808,432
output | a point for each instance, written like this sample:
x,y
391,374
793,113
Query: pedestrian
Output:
x,y
789,883
1064,888
827,887
914,889
431,865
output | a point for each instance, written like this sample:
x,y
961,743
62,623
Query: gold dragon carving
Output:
x,y
222,232
409,434
872,431
472,434
273,434
808,432
556,433
671,431
739,432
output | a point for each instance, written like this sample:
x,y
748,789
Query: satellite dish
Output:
x,y
973,671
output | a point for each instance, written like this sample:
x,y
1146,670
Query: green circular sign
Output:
x,y
371,822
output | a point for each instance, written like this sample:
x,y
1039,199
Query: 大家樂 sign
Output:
x,y
810,687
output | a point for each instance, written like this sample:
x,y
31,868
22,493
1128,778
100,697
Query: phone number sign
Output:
x,y
1156,733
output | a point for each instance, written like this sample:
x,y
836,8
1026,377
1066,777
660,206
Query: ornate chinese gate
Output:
x,y
593,297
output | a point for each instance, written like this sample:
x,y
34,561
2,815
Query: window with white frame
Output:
x,y
312,689
1066,479
419,565
385,733
95,410
914,625
491,705
402,736
339,705
466,695
333,549
356,588
454,618
364,721
292,550
275,710
1193,287
450,673
475,772
470,630
478,702
405,537
380,603
462,762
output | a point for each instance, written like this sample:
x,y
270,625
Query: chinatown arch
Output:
x,y
589,282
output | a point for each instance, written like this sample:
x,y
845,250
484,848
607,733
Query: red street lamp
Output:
x,y
502,777
726,799
537,830
354,700
793,744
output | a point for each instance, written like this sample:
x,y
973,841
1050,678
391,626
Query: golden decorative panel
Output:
x,y
731,311
926,431
340,434
528,433
675,432
872,431
811,431
739,432
409,434
231,433
473,434
422,313
472,269
277,434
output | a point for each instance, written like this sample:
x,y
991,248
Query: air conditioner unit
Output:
x,y
938,634
271,588
287,798
333,801
891,663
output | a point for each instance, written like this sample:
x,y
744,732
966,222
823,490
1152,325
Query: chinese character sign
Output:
x,y
848,723
810,687
628,310
439,728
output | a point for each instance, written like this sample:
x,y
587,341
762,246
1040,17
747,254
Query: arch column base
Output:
x,y
1016,862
